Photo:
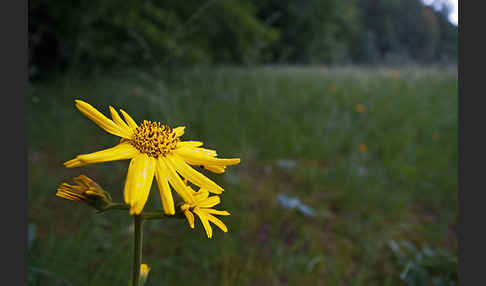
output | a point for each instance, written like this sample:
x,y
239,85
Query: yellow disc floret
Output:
x,y
154,139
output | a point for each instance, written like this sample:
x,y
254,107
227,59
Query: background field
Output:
x,y
386,214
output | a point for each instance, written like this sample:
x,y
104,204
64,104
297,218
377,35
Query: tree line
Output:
x,y
112,33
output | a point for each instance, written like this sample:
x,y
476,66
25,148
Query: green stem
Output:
x,y
137,253
115,206
155,215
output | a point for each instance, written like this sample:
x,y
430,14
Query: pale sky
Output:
x,y
453,17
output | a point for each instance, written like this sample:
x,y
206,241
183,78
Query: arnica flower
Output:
x,y
154,150
360,108
85,190
202,207
362,148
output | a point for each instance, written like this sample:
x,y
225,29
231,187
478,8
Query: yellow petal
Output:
x,y
68,197
127,195
131,211
198,157
190,218
216,212
91,193
202,151
121,151
216,221
190,189
200,195
102,121
189,144
162,177
204,219
67,187
209,152
80,197
73,163
215,169
117,119
129,120
145,177
71,192
179,131
192,175
139,178
209,202
84,181
177,182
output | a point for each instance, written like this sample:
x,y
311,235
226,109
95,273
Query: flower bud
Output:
x,y
85,190
144,271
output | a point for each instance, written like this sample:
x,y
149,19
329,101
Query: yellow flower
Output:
x,y
85,190
360,108
202,207
362,148
154,150
144,271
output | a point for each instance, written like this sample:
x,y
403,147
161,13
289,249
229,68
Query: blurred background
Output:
x,y
343,112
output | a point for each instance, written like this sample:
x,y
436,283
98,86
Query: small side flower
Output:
x,y
85,190
362,148
202,207
360,108
144,272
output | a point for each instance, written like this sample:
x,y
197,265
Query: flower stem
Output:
x,y
115,206
137,253
155,215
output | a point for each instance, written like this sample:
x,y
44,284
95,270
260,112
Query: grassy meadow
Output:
x,y
372,150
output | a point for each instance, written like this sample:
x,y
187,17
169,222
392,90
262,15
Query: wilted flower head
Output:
x,y
85,190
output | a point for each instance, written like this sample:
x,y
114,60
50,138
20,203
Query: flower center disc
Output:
x,y
154,139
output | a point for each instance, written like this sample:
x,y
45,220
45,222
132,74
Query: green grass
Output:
x,y
403,188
